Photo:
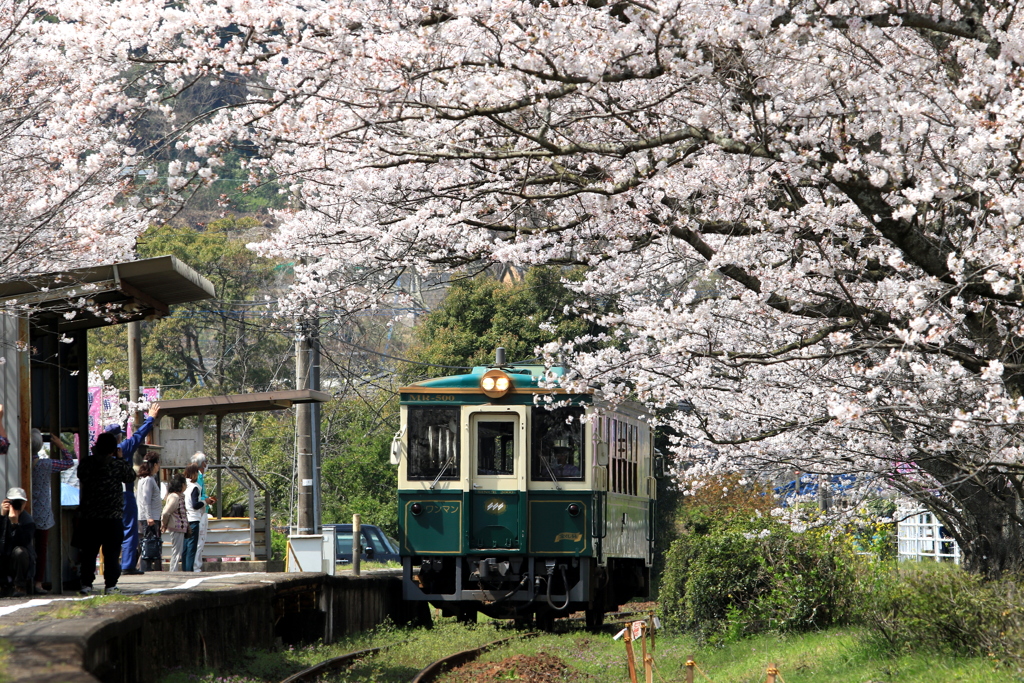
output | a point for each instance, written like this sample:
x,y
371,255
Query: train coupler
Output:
x,y
489,568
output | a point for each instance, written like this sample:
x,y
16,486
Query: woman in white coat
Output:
x,y
147,493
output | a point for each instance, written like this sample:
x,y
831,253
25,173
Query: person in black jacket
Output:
x,y
101,508
17,554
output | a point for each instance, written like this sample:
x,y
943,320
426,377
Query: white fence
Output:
x,y
922,537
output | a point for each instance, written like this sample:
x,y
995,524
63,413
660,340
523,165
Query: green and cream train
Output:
x,y
520,501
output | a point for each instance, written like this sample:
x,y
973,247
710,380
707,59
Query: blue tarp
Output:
x,y
807,485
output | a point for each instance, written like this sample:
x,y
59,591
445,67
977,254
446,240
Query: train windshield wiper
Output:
x,y
551,472
440,474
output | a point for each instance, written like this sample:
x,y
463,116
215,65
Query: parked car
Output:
x,y
377,546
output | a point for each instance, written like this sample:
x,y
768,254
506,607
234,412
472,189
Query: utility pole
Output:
x,y
314,422
303,435
135,377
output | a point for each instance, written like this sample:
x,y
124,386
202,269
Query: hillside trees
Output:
x,y
808,214
224,345
480,314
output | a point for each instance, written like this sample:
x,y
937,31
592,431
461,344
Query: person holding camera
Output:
x,y
103,475
17,532
43,467
17,554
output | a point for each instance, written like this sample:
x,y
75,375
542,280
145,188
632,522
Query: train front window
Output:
x,y
433,451
557,444
496,447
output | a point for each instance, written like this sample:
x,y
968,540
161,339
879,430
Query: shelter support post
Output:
x,y
220,504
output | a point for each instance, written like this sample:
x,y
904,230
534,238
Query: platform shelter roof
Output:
x,y
239,403
109,294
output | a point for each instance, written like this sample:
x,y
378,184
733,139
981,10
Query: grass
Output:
x,y
5,657
842,655
409,650
839,655
366,565
834,656
76,608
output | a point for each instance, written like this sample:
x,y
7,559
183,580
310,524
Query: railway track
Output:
x,y
314,672
428,674
612,618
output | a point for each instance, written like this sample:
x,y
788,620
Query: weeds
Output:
x,y
77,608
838,655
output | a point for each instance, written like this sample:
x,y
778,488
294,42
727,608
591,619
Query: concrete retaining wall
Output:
x,y
138,642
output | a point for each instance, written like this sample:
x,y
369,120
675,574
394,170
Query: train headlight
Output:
x,y
495,383
416,508
573,510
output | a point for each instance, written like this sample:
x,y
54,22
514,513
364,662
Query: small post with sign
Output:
x,y
357,546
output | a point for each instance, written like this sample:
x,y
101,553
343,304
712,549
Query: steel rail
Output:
x,y
433,671
613,618
313,672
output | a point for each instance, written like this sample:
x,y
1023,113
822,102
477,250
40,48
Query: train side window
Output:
x,y
496,447
557,444
633,457
625,454
433,443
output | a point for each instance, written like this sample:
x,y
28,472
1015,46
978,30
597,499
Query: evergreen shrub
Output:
x,y
928,606
744,582
735,570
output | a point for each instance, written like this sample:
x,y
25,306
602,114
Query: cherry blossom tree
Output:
x,y
808,212
62,145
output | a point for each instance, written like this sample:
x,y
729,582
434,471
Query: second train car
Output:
x,y
520,501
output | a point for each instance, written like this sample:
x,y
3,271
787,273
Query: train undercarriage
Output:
x,y
526,589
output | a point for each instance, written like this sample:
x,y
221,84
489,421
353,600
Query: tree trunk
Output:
x,y
993,538
982,511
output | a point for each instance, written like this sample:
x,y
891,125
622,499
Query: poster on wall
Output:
x,y
105,408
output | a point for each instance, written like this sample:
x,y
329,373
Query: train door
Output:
x,y
497,479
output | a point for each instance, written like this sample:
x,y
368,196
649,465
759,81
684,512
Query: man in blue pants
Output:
x,y
130,545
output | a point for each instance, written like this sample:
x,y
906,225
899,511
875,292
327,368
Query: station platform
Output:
x,y
164,620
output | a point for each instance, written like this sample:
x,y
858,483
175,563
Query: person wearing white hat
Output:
x,y
17,554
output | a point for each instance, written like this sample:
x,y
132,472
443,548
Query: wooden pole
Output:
x,y
648,659
772,672
650,627
220,499
629,654
135,373
357,546
689,669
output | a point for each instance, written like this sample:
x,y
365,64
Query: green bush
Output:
x,y
278,544
926,606
741,581
707,575
812,581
